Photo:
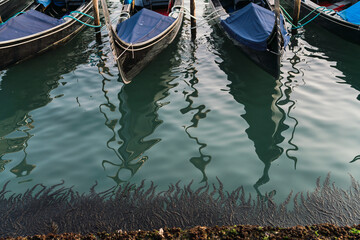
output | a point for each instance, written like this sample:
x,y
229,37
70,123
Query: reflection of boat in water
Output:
x,y
200,162
139,103
265,118
26,87
259,95
344,54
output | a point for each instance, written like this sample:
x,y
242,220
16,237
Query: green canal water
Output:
x,y
199,112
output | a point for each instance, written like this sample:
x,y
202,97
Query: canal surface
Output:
x,y
199,112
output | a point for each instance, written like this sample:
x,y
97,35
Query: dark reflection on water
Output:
x,y
340,51
26,87
139,103
262,97
345,54
200,162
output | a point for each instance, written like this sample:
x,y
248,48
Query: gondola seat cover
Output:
x,y
252,25
27,24
351,14
143,26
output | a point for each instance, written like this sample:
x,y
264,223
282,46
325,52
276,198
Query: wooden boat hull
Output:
x,y
269,61
11,7
18,50
344,29
132,59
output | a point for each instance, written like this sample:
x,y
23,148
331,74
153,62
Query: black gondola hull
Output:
x,y
18,50
339,27
132,59
10,7
269,61
345,30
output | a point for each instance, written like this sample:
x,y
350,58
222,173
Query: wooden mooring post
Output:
x,y
97,20
296,14
192,20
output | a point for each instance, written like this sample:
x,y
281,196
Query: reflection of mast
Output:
x,y
201,161
138,120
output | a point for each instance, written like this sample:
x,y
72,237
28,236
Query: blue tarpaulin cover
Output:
x,y
143,26
252,25
26,24
351,14
45,3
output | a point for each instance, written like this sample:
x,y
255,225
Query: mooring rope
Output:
x,y
12,17
187,12
84,23
289,18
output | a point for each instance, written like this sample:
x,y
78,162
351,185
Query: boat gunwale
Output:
x,y
220,8
310,6
140,46
33,37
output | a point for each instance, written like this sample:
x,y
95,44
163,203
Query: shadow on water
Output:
x,y
260,94
26,87
139,103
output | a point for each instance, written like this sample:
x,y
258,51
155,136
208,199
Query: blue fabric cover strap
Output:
x,y
27,24
252,25
143,26
351,14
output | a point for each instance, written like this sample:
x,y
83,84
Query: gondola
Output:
x,y
256,28
10,7
341,17
144,29
43,25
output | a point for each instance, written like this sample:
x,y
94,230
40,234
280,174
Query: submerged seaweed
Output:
x,y
58,209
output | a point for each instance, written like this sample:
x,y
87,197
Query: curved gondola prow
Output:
x,y
112,34
125,13
275,41
17,46
131,58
